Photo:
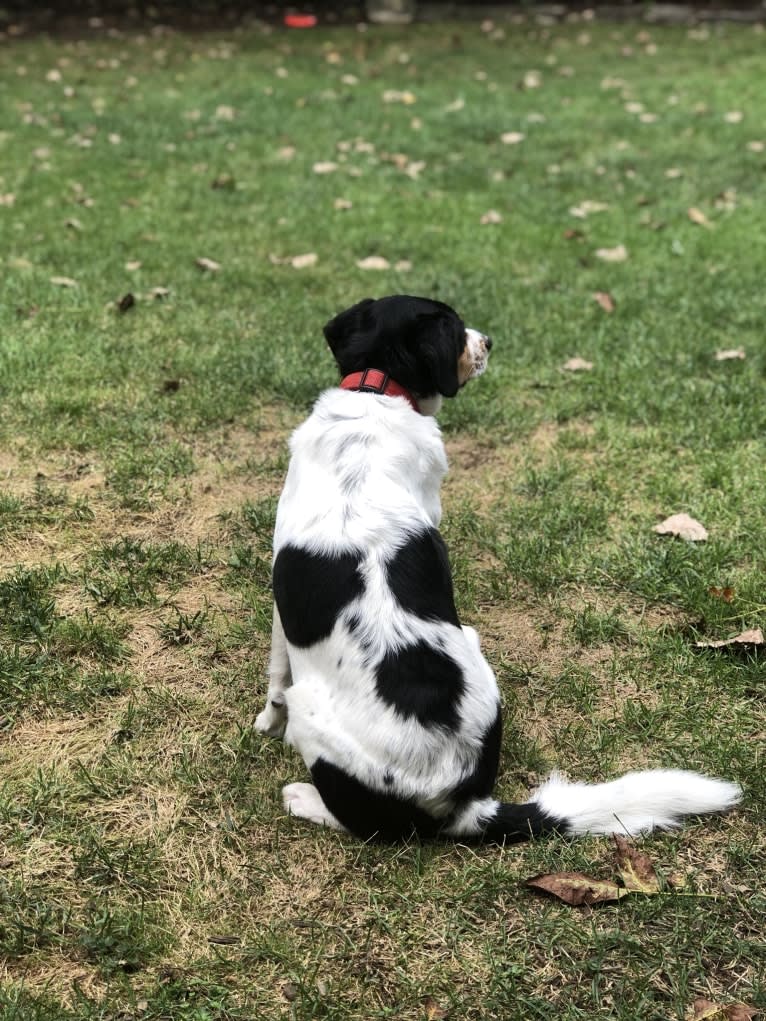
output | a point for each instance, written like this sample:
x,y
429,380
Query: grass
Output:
x,y
146,867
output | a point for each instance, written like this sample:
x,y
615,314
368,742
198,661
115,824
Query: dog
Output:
x,y
372,678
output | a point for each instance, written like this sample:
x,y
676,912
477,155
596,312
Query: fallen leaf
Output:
x,y
726,593
7,199
432,1009
455,106
63,282
403,266
698,217
304,261
752,637
756,146
132,266
577,889
733,117
512,137
395,96
683,526
617,254
224,182
373,262
225,113
126,301
577,365
532,80
290,991
159,293
635,867
587,207
327,167
605,300
717,1012
342,204
573,235
208,265
491,216
731,354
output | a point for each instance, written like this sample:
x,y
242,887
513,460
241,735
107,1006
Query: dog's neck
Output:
x,y
375,381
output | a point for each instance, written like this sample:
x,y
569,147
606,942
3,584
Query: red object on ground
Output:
x,y
300,20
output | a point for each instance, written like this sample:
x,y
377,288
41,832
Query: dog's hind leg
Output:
x,y
304,801
273,718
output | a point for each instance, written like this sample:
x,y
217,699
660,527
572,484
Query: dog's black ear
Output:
x,y
340,330
440,348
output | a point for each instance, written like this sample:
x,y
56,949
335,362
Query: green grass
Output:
x,y
146,867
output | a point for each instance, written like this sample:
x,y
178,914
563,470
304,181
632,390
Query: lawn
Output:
x,y
180,214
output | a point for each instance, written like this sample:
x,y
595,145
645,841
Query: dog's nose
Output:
x,y
488,343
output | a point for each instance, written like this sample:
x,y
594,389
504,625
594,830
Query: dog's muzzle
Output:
x,y
479,345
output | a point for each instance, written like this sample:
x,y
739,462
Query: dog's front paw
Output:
x,y
273,720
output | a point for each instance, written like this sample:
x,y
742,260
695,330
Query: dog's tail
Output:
x,y
635,803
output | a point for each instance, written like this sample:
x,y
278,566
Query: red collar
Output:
x,y
374,381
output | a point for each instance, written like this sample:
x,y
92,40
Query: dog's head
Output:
x,y
422,344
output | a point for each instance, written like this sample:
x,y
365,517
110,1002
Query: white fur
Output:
x,y
635,803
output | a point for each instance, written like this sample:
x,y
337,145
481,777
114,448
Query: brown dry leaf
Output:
x,y
683,526
577,889
342,204
126,301
7,199
208,265
586,208
731,354
617,254
326,167
133,265
432,1009
605,300
373,262
491,216
726,593
63,282
698,217
304,261
512,137
752,637
395,96
635,868
717,1012
577,365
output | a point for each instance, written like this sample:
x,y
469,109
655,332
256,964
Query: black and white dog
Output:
x,y
372,678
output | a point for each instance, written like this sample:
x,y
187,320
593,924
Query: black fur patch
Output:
x,y
367,813
311,589
513,823
480,781
422,682
419,576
